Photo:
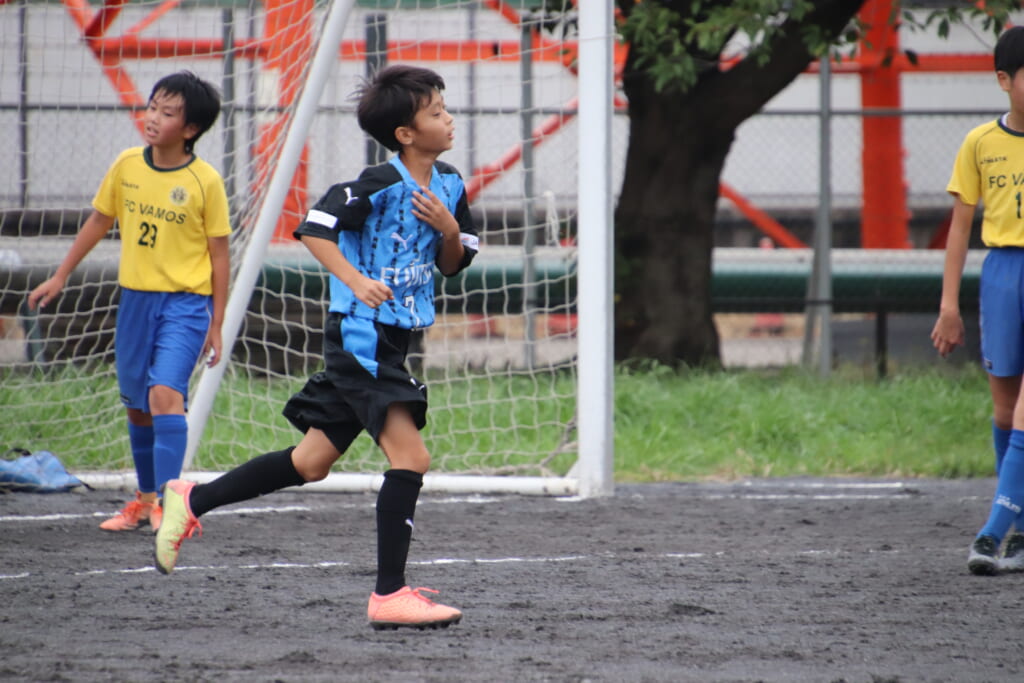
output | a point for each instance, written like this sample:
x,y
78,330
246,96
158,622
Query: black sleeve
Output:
x,y
345,206
467,228
341,208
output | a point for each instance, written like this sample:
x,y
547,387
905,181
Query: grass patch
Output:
x,y
699,425
669,425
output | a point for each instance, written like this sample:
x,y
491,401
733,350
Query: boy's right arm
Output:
x,y
371,292
948,332
95,227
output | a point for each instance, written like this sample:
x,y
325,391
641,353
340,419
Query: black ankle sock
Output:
x,y
396,506
261,475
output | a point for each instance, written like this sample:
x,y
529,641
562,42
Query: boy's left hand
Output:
x,y
212,348
948,332
432,211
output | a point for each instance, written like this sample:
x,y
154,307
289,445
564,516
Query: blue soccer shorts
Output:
x,y
1002,312
158,341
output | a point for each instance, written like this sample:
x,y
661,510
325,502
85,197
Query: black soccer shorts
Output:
x,y
364,373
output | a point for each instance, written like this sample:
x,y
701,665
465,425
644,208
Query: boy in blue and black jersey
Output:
x,y
373,224
380,238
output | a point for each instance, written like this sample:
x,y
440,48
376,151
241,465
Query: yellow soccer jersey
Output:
x,y
165,217
989,168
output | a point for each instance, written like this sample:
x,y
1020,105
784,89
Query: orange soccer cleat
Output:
x,y
409,607
134,515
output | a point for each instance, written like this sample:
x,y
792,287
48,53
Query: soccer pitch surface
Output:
x,y
764,580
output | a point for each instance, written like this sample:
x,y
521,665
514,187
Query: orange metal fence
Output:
x,y
285,46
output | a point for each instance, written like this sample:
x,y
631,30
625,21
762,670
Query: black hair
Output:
x,y
202,101
1009,52
391,98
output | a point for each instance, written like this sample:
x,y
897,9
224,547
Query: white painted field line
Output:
x,y
501,560
802,496
282,509
316,565
270,509
216,567
89,515
313,565
826,553
827,484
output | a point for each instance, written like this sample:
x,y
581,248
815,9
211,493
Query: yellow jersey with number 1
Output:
x,y
165,217
989,168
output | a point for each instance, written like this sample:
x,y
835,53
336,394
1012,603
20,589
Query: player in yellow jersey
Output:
x,y
172,213
989,168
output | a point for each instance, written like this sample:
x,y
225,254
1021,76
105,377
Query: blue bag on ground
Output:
x,y
40,472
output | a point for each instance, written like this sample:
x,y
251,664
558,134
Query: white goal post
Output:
x,y
594,405
519,364
592,473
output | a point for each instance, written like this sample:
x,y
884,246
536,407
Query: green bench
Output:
x,y
879,282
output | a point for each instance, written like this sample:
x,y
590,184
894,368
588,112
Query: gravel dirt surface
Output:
x,y
766,580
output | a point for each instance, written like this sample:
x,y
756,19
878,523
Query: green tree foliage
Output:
x,y
675,41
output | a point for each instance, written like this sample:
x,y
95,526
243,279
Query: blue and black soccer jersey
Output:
x,y
372,222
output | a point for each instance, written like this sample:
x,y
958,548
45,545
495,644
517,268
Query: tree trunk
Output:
x,y
665,218
663,233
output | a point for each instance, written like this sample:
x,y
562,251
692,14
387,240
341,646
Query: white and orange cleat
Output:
x,y
409,607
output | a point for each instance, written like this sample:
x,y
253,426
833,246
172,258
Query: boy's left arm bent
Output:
x,y
455,253
220,262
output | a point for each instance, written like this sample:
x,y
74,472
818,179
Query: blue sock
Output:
x,y
141,440
171,432
1000,441
1009,499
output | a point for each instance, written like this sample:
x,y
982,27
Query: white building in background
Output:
x,y
75,124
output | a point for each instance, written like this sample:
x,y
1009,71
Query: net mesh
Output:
x,y
500,361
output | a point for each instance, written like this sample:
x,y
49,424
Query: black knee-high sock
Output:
x,y
263,474
396,506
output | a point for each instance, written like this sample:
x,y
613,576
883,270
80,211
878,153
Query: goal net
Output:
x,y
501,362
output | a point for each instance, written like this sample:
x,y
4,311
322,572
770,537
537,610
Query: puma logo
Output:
x,y
405,241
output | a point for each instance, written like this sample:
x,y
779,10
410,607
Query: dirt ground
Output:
x,y
769,580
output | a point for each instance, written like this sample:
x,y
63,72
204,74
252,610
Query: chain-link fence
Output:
x,y
64,132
